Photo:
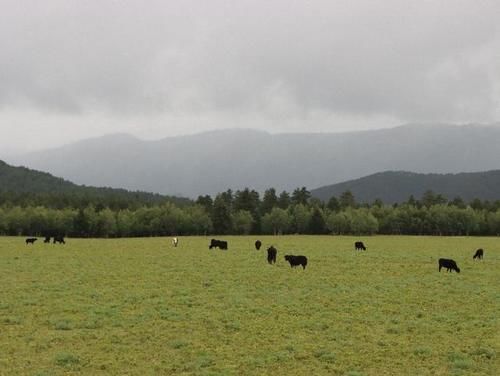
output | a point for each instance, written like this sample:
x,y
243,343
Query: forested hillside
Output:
x,y
397,186
23,186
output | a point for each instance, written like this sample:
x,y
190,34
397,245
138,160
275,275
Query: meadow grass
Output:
x,y
143,307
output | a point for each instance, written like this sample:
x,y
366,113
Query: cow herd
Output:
x,y
56,239
451,265
272,253
448,264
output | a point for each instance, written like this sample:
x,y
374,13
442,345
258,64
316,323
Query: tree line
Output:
x,y
245,212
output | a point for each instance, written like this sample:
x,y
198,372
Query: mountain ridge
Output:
x,y
397,186
211,162
22,180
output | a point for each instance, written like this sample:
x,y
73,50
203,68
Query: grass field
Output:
x,y
142,307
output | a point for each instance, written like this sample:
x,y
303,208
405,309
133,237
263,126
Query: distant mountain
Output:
x,y
21,180
397,186
212,162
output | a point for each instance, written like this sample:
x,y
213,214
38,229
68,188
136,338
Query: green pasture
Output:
x,y
142,307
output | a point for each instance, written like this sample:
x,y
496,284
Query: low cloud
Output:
x,y
161,68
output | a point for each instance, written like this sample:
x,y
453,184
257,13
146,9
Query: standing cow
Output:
x,y
258,244
271,255
175,241
59,239
296,260
31,240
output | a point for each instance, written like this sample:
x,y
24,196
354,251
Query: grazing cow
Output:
x,y
221,244
449,265
296,260
59,239
258,244
31,240
479,254
271,255
47,239
175,241
360,246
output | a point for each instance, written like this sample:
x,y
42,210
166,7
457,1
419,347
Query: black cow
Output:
x,y
296,260
258,244
479,254
221,244
59,239
47,239
271,255
31,240
360,246
449,265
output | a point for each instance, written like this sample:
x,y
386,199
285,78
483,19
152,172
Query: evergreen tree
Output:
x,y
206,202
333,204
228,198
476,204
249,200
458,202
317,223
411,201
429,199
284,200
300,196
81,224
347,200
221,215
269,200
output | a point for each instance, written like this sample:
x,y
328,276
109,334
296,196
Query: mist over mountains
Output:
x,y
215,161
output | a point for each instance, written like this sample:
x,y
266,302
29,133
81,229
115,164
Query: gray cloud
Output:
x,y
160,68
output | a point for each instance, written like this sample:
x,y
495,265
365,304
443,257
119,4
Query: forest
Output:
x,y
242,212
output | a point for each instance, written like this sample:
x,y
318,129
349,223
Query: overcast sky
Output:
x,y
72,69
